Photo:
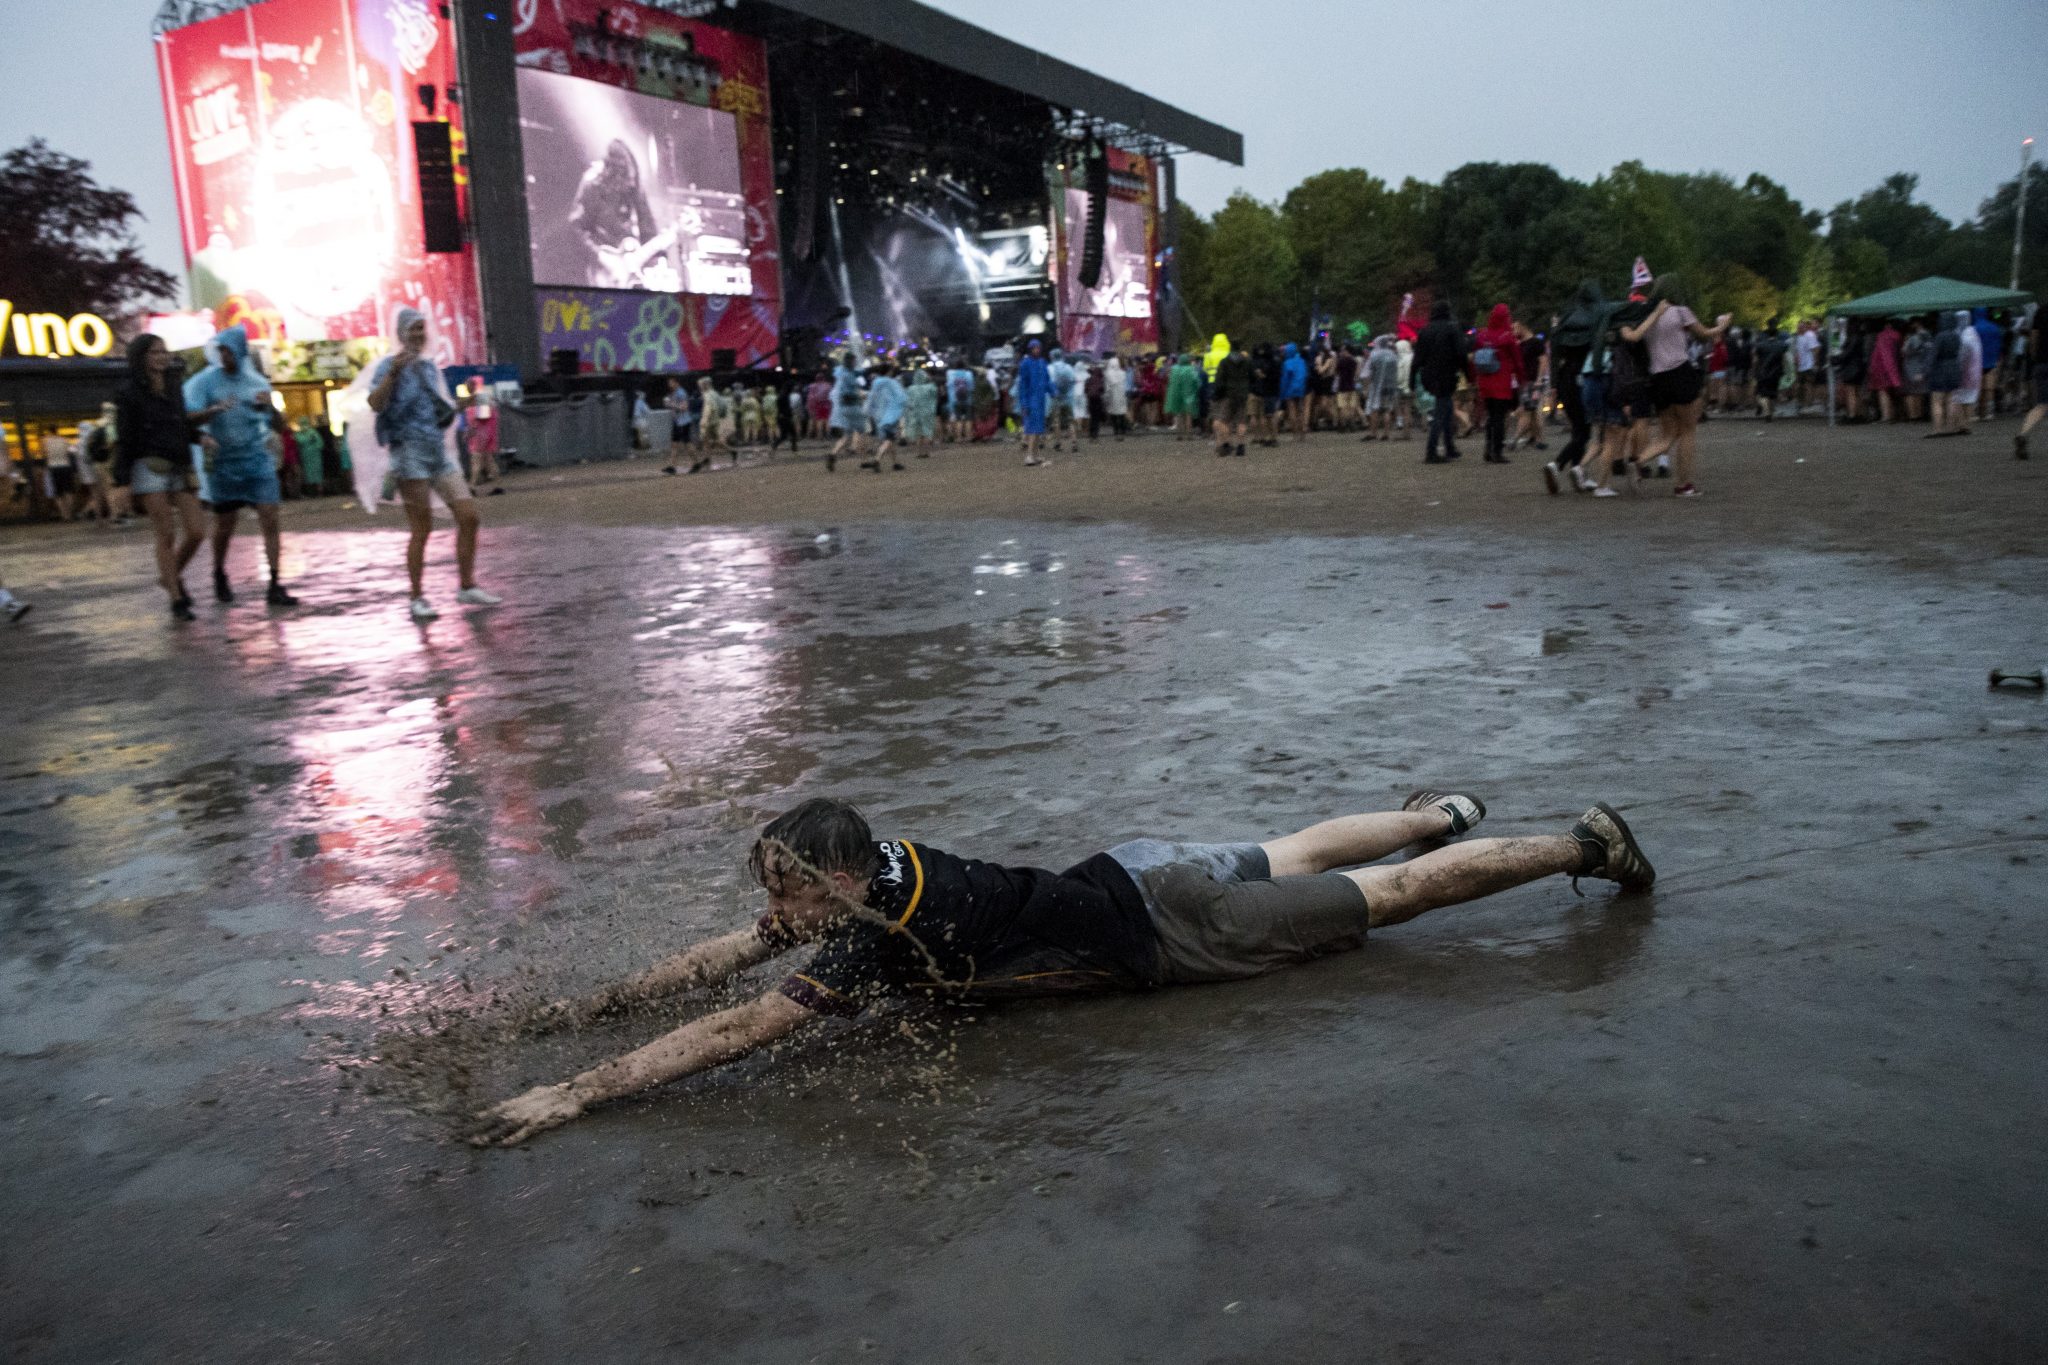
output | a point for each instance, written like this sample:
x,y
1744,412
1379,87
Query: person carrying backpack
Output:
x,y
1496,367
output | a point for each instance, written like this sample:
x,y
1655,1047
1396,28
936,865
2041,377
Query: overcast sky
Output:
x,y
1827,98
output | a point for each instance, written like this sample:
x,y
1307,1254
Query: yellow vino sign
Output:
x,y
53,335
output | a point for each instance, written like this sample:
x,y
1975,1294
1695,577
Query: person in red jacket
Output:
x,y
1496,366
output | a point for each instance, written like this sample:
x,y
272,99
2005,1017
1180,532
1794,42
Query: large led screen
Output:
x,y
630,191
1124,289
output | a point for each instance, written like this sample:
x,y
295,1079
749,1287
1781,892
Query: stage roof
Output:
x,y
1097,101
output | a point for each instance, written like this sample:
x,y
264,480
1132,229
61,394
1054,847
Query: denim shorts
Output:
x,y
419,457
1600,411
175,479
1221,915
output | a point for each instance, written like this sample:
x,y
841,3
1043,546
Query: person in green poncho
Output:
x,y
312,457
1183,395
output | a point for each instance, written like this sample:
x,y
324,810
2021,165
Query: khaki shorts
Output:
x,y
1221,917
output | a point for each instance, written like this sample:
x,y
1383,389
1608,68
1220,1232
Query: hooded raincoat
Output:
x,y
1499,336
1032,389
1219,348
1293,374
371,435
240,469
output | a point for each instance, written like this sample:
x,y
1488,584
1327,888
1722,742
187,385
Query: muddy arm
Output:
x,y
705,964
697,1046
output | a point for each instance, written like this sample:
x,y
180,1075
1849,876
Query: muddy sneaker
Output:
x,y
1610,851
423,610
1465,811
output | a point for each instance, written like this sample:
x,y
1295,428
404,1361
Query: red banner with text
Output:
x,y
292,145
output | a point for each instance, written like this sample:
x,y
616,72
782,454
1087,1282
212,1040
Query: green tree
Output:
x,y
65,241
1355,244
1910,235
1247,278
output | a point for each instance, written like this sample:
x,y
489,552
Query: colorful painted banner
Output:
x,y
645,50
291,143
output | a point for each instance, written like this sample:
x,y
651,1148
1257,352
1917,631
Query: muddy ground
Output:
x,y
269,878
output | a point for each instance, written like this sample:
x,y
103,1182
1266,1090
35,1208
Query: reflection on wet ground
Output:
x,y
260,870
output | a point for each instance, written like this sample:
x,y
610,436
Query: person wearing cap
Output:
x,y
414,417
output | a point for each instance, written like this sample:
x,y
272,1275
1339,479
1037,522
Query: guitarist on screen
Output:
x,y
616,222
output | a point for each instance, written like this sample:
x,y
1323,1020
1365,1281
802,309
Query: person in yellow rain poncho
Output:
x,y
1219,351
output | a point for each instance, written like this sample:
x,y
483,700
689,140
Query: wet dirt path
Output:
x,y
1784,1107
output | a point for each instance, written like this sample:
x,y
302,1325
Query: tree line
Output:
x,y
1344,246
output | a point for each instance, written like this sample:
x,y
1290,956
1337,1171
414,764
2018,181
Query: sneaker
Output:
x,y
1611,851
1606,491
1551,480
17,609
668,469
423,610
875,465
221,591
1240,451
181,609
278,597
1686,490
478,597
1663,467
897,467
1465,811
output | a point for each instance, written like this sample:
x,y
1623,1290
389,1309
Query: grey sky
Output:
x,y
1826,98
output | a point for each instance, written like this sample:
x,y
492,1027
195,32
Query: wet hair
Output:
x,y
138,351
827,834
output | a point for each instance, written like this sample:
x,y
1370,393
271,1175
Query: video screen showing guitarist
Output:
x,y
616,223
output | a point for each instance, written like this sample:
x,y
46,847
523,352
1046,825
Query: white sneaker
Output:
x,y
1606,492
423,610
477,597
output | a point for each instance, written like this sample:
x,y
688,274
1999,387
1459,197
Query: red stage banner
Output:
x,y
649,52
292,146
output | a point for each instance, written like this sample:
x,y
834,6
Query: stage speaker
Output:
x,y
803,237
565,361
1097,178
725,360
434,157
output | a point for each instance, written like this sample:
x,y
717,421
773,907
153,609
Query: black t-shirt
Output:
x,y
1532,360
972,930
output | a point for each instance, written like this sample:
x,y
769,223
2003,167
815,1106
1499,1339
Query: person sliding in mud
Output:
x,y
895,918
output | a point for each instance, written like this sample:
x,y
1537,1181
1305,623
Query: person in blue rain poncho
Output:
x,y
848,419
1032,391
1294,390
241,471
886,401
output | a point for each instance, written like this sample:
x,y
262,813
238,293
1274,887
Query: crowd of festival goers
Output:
x,y
1628,380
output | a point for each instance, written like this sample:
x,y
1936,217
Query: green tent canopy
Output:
x,y
1935,294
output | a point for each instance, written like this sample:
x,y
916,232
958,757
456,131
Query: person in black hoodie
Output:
x,y
1439,360
153,459
1571,340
